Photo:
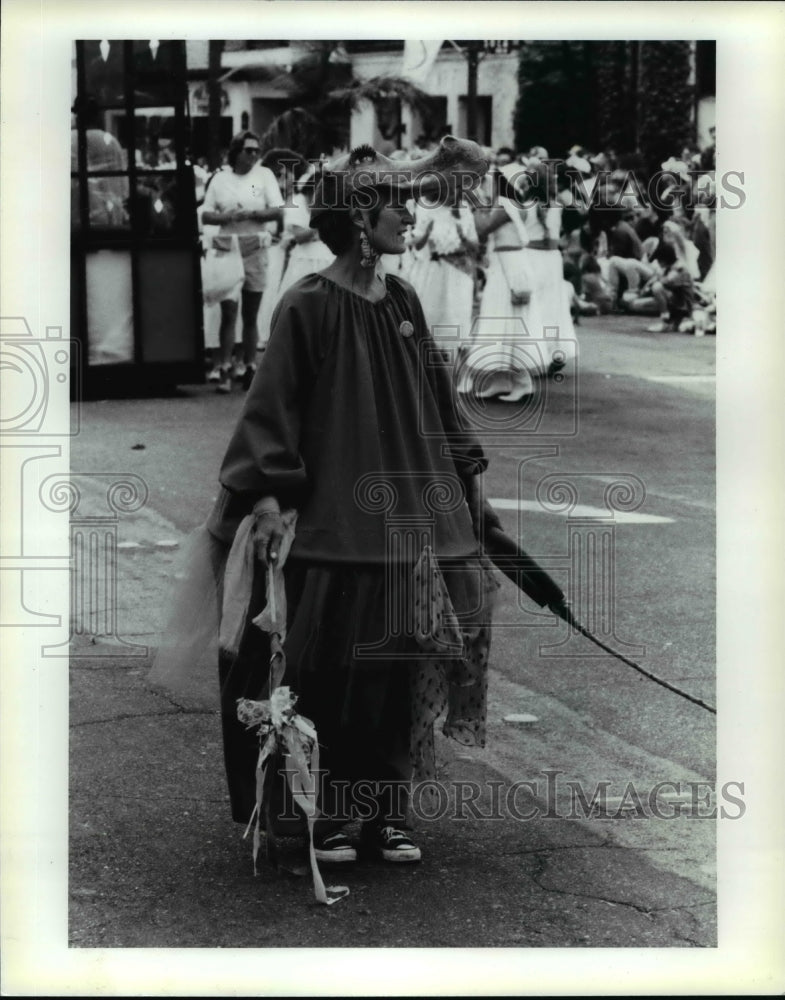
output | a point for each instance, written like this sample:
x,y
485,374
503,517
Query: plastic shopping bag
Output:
x,y
222,274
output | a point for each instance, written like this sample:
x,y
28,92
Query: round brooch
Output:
x,y
406,328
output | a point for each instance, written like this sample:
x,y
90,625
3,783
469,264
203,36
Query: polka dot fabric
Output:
x,y
456,681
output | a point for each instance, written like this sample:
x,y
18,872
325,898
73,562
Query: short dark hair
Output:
x,y
237,143
336,229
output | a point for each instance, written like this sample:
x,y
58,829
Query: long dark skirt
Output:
x,y
351,673
366,681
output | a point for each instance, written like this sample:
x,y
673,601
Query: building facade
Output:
x,y
250,99
255,90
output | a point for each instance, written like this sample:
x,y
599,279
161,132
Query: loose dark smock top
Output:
x,y
352,420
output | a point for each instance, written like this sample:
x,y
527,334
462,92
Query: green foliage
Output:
x,y
616,94
620,95
666,100
555,106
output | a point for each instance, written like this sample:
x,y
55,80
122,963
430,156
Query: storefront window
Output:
x,y
108,202
155,73
154,139
110,307
134,252
157,204
105,73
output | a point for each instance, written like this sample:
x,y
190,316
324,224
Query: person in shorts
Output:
x,y
245,201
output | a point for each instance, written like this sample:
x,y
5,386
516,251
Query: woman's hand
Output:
x,y
268,534
268,530
469,245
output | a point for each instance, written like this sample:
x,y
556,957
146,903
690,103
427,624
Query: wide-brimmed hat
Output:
x,y
350,179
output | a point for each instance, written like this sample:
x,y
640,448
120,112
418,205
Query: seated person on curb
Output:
x,y
671,289
595,292
625,257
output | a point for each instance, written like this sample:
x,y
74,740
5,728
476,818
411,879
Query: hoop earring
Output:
x,y
368,255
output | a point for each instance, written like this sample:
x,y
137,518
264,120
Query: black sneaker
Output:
x,y
334,848
391,844
248,374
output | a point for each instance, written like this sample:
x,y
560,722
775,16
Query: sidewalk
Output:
x,y
156,861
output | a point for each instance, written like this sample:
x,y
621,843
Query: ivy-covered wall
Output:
x,y
556,106
666,100
624,96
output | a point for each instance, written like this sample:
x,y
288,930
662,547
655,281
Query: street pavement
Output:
x,y
156,861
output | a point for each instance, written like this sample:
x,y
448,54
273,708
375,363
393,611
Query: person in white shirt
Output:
x,y
245,201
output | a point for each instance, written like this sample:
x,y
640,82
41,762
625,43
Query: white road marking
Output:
x,y
681,378
520,719
582,510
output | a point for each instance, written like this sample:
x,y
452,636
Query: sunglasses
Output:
x,y
252,149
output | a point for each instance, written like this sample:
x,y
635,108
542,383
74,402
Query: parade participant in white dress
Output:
x,y
298,250
307,254
444,274
524,328
547,314
285,164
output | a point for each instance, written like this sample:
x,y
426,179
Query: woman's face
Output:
x,y
388,234
247,157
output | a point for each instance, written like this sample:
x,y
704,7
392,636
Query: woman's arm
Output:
x,y
488,221
462,444
420,236
260,214
212,217
263,458
300,234
468,234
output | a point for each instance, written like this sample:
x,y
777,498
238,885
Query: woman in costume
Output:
x,y
298,250
444,274
524,329
351,426
307,253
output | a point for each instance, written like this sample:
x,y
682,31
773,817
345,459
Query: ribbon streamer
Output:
x,y
282,729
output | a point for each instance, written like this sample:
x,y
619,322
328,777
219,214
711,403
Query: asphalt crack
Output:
x,y
122,716
647,912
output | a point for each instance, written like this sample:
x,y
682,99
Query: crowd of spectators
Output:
x,y
632,241
635,241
